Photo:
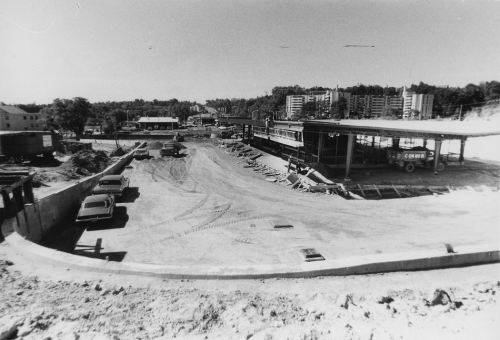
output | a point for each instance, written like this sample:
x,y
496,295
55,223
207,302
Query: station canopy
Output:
x,y
406,129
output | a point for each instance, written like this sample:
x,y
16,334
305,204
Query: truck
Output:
x,y
170,149
408,159
29,144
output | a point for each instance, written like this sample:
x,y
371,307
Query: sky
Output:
x,y
201,49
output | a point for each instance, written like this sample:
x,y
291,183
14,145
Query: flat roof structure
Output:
x,y
406,129
291,133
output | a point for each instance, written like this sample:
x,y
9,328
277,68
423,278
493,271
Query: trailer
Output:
x,y
411,158
28,144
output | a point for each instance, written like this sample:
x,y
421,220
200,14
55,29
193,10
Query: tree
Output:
x,y
69,114
309,109
338,108
113,119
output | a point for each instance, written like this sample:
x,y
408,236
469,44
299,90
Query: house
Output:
x,y
13,118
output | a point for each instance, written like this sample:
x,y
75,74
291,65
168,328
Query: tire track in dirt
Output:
x,y
196,206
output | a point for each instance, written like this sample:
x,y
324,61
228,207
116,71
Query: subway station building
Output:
x,y
340,144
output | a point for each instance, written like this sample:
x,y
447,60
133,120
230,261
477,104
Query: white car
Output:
x,y
222,127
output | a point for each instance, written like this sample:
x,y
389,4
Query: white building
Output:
x,y
326,98
13,118
417,104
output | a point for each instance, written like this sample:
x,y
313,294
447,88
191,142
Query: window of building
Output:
x,y
36,117
8,125
24,117
32,125
31,117
7,118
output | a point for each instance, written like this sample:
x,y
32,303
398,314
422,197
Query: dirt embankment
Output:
x,y
34,308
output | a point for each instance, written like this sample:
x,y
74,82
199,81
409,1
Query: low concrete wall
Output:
x,y
38,219
377,263
142,136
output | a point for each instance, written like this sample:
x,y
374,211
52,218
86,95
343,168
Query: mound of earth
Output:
x,y
155,146
85,163
323,169
117,152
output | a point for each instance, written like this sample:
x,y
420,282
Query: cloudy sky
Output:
x,y
202,49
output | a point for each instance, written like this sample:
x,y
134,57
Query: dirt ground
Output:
x,y
230,212
42,301
204,208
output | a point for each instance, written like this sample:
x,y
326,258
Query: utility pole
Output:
x,y
460,114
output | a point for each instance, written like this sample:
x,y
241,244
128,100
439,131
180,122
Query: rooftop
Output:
x,y
411,129
12,109
158,120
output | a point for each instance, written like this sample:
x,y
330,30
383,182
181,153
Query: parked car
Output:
x,y
170,149
96,208
112,184
141,153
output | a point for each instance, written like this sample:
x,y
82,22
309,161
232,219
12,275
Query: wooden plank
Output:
x,y
362,192
396,190
378,191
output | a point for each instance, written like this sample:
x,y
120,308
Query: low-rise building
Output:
x,y
13,118
159,123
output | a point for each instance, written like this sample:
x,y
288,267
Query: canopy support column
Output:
x,y
437,155
395,143
462,149
350,148
321,143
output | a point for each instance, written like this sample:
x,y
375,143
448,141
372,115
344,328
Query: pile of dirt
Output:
x,y
118,152
155,146
86,163
323,169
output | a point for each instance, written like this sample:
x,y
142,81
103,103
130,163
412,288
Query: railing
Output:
x,y
281,133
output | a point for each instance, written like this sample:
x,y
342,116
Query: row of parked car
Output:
x,y
101,204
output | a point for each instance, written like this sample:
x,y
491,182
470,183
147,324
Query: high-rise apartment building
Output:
x,y
417,105
325,98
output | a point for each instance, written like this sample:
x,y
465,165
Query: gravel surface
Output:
x,y
40,301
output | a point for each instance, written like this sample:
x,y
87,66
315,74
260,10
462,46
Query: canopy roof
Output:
x,y
430,129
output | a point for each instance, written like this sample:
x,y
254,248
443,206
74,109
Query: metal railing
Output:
x,y
281,133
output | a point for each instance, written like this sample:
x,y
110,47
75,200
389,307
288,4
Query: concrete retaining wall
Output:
x,y
142,136
378,263
38,219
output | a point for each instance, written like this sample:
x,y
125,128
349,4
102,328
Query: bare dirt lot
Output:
x,y
203,208
229,213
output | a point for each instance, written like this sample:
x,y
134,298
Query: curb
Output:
x,y
380,263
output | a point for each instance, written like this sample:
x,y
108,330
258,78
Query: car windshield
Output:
x,y
108,182
101,204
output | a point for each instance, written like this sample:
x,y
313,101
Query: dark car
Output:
x,y
141,154
96,208
112,184
170,149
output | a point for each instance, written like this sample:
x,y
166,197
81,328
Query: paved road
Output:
x,y
204,209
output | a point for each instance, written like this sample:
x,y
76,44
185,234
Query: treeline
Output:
x,y
74,114
447,100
